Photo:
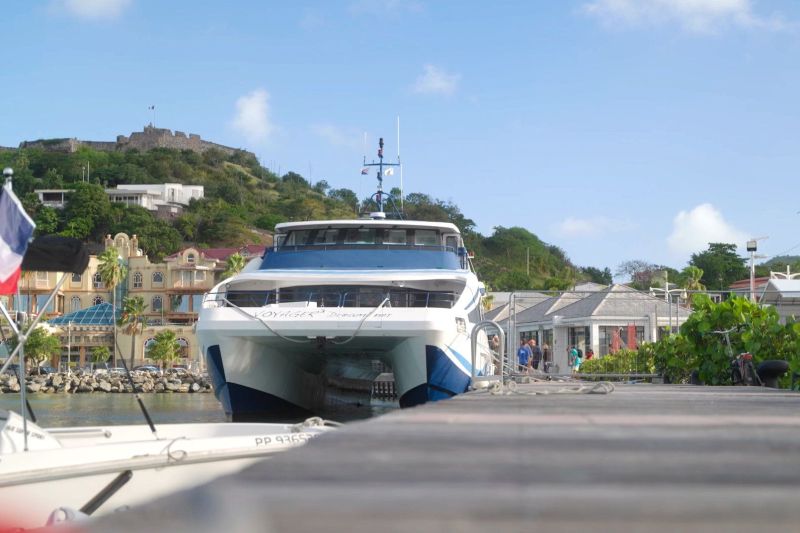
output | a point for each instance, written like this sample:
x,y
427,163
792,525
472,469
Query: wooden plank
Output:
x,y
645,457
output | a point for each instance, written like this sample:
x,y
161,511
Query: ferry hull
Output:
x,y
265,377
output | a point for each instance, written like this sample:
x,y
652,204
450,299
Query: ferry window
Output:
x,y
395,236
426,237
296,238
451,241
326,236
360,236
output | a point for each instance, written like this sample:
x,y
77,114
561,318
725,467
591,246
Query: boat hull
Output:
x,y
259,374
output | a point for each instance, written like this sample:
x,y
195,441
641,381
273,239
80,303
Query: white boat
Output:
x,y
77,471
335,300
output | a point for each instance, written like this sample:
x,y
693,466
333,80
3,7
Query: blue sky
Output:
x,y
615,129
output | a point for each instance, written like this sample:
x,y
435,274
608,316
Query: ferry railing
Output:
x,y
363,297
498,374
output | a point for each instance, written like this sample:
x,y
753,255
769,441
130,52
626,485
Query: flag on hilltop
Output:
x,y
364,171
16,228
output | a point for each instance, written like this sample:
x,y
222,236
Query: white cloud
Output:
x,y
591,227
252,118
693,230
92,9
436,81
337,136
694,16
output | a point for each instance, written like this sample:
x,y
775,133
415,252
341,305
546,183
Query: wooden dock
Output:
x,y
544,458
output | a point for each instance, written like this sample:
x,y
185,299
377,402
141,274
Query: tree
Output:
x,y
596,275
236,262
641,273
100,354
165,348
112,273
40,346
46,220
132,319
692,276
88,203
720,265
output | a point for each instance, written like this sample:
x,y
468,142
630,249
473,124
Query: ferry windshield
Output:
x,y
367,237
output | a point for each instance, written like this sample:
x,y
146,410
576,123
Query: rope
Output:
x,y
175,457
248,315
497,388
353,336
315,421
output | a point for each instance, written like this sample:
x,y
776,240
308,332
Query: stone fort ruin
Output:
x,y
151,137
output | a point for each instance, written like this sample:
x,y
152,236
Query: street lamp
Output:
x,y
668,295
752,246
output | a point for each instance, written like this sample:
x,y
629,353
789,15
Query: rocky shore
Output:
x,y
82,383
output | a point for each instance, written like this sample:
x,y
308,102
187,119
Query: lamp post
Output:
x,y
752,246
668,295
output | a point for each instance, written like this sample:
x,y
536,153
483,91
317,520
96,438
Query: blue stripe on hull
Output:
x,y
445,380
245,404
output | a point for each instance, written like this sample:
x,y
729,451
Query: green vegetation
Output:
x,y
100,354
165,348
40,345
132,319
243,201
697,348
112,273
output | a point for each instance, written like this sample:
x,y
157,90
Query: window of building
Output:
x,y
190,258
97,300
41,300
97,281
180,304
200,275
75,304
186,278
76,278
41,276
137,280
197,302
157,304
158,277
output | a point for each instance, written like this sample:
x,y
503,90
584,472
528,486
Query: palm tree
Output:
x,y
693,276
236,263
165,349
132,319
112,272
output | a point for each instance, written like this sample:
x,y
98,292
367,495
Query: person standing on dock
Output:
x,y
523,355
536,355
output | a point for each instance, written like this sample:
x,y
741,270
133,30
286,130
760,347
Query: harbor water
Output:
x,y
59,410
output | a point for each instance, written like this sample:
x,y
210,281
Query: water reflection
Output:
x,y
59,410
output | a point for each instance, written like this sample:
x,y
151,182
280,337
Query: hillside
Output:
x,y
240,196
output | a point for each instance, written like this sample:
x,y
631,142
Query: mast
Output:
x,y
381,198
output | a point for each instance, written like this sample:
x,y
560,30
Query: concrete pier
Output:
x,y
547,457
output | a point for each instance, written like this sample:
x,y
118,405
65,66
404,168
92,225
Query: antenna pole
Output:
x,y
398,162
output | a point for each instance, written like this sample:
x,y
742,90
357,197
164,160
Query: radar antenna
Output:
x,y
382,198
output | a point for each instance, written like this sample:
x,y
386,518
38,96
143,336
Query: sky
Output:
x,y
614,129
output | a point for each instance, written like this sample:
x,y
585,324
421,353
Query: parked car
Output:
x,y
13,369
44,369
148,368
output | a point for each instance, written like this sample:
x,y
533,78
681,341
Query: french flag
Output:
x,y
16,228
